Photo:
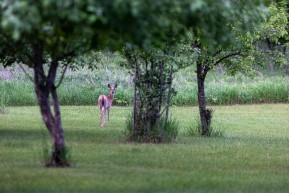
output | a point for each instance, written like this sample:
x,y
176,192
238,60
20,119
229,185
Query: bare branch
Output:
x,y
52,71
217,53
62,76
25,72
228,56
166,106
163,111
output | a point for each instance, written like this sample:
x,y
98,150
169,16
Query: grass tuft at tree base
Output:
x,y
162,133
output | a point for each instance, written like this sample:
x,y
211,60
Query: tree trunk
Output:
x,y
44,86
134,100
205,114
59,151
267,46
161,89
168,100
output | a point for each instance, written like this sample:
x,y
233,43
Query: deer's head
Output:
x,y
112,88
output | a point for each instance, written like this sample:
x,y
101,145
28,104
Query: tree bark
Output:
x,y
205,114
44,87
161,88
168,96
59,151
134,100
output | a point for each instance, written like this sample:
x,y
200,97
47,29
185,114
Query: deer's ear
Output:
x,y
109,85
116,85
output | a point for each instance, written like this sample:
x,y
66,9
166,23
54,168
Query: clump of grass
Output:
x,y
62,158
168,131
47,154
3,103
196,129
164,132
2,109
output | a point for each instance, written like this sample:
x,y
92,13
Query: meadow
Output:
x,y
251,155
82,87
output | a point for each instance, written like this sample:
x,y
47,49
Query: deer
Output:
x,y
105,104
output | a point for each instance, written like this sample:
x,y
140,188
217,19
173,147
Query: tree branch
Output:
x,y
52,72
62,57
217,53
228,56
62,76
26,73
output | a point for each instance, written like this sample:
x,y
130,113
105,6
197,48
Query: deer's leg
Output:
x,y
101,117
104,118
108,116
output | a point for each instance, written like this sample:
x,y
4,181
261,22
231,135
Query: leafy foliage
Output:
x,y
252,53
274,31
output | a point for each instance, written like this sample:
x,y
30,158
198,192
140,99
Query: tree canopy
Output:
x,y
76,25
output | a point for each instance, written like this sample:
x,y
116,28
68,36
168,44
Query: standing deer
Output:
x,y
105,103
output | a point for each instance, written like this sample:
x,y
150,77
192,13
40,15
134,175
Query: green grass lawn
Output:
x,y
251,156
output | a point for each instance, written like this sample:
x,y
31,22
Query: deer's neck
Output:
x,y
110,97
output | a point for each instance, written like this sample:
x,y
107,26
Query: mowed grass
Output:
x,y
251,156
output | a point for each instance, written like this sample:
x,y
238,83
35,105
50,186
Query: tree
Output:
x,y
46,36
242,53
152,80
153,77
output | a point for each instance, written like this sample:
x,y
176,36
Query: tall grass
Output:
x,y
17,93
231,91
83,87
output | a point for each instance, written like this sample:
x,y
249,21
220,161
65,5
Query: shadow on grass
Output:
x,y
24,137
16,137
